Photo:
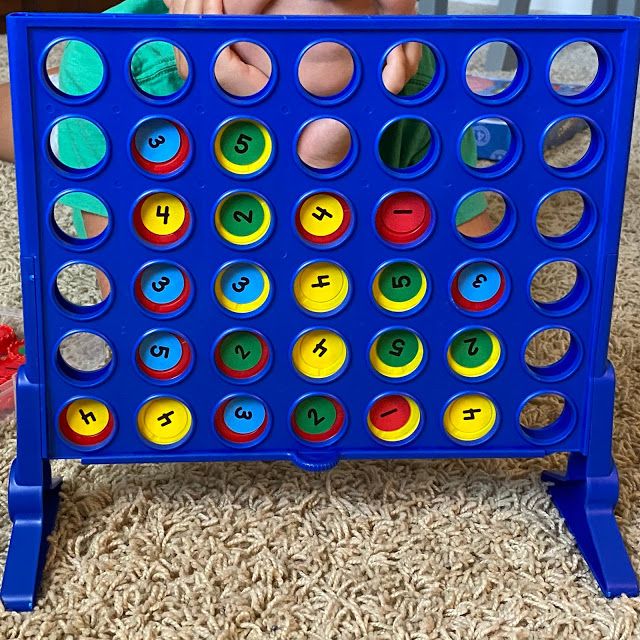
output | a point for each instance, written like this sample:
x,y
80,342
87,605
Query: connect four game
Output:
x,y
258,307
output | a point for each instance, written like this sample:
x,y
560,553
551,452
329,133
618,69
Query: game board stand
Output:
x,y
418,408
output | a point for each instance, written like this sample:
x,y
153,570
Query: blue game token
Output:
x,y
478,286
162,288
160,350
242,420
158,140
242,287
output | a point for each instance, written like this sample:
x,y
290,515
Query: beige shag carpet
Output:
x,y
382,550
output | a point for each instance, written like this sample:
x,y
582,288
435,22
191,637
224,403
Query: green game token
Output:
x,y
315,415
400,287
242,215
400,282
242,355
397,348
474,353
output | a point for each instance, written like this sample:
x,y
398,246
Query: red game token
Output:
x,y
394,418
163,355
162,288
242,420
403,218
323,218
86,422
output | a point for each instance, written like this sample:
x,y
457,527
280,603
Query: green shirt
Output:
x,y
154,69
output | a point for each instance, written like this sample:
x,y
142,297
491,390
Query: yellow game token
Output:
x,y
243,146
242,287
394,418
162,214
164,421
470,417
321,287
87,418
400,287
474,353
243,219
319,354
397,353
321,215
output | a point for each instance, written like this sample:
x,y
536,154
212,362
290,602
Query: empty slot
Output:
x,y
326,69
82,288
84,356
80,218
488,145
401,66
482,216
77,144
83,68
407,145
486,79
546,418
574,69
557,285
569,144
325,144
552,354
562,216
159,85
243,69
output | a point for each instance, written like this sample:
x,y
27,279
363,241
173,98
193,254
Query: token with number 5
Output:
x,y
243,147
400,287
163,355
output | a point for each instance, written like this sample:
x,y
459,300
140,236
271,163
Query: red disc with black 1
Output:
x,y
403,218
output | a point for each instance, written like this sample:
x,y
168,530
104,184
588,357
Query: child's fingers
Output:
x,y
413,52
237,77
324,144
394,74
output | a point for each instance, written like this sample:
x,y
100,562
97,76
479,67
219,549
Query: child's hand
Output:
x,y
401,65
241,70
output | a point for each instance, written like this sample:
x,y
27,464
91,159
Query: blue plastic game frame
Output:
x,y
585,496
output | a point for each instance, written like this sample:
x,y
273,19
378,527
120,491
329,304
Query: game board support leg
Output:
x,y
33,505
587,494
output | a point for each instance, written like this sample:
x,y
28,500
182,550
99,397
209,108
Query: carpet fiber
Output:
x,y
383,550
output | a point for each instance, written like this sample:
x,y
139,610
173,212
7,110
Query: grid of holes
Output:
x,y
583,161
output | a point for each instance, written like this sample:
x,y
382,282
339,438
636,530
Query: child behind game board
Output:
x,y
243,70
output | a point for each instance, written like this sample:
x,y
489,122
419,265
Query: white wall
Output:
x,y
557,6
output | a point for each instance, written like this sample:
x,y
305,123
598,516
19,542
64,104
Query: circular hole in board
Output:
x,y
86,423
325,145
162,219
553,354
243,69
410,71
400,287
83,65
243,147
558,286
160,146
570,145
547,418
242,420
484,217
320,355
394,419
471,418
163,288
489,146
322,288
243,288
485,81
80,218
164,356
575,68
565,217
318,420
420,149
165,422
326,69
242,355
77,145
85,357
168,84
83,288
